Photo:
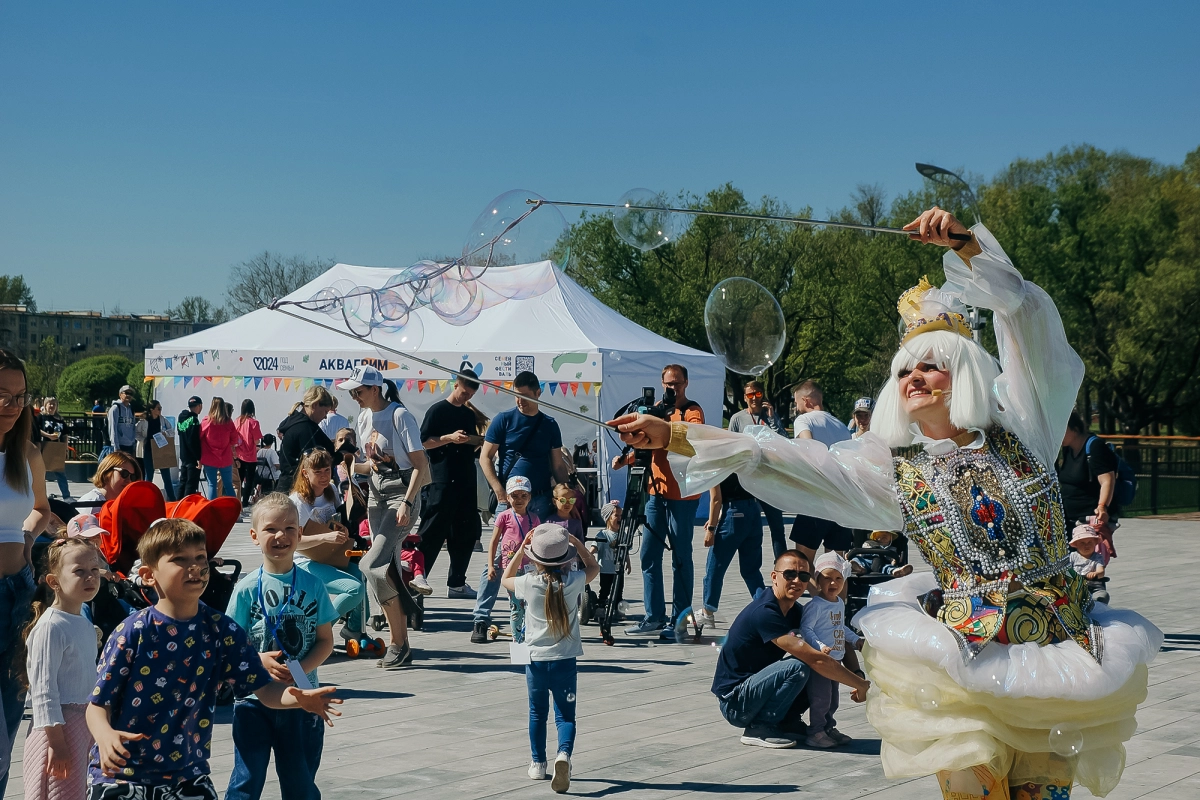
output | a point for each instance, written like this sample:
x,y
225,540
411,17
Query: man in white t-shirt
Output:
x,y
814,422
333,421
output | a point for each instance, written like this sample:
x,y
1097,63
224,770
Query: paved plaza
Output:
x,y
454,725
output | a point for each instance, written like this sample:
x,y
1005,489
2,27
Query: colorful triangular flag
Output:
x,y
199,358
277,382
574,388
257,383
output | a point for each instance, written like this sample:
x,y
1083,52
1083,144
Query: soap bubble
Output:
x,y
326,301
570,697
1066,740
929,697
358,309
512,231
643,229
745,325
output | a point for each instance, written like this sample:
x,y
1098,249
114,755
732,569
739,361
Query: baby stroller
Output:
x,y
859,586
126,518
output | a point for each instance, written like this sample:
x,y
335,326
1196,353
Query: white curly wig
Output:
x,y
973,374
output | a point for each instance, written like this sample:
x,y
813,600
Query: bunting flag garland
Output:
x,y
419,385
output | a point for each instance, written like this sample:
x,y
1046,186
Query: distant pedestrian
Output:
x,y
217,437
733,528
53,428
150,426
122,430
860,421
814,422
188,428
333,421
760,412
246,452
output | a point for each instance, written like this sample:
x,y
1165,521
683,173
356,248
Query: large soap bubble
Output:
x,y
511,231
1066,740
644,229
745,325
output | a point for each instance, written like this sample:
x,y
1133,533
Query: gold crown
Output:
x,y
920,316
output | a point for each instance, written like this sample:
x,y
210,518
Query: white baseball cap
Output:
x,y
863,404
363,375
518,483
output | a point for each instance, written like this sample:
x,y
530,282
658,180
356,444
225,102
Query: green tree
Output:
x,y
96,377
14,291
44,367
143,389
195,308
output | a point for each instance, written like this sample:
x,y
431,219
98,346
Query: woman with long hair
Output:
x,y
996,671
218,435
53,428
246,454
147,428
391,441
301,432
24,513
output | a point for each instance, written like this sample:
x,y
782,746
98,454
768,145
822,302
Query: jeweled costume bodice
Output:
x,y
989,521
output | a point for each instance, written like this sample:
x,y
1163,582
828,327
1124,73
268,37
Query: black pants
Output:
x,y
450,518
189,481
246,474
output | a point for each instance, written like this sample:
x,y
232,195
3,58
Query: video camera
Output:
x,y
637,491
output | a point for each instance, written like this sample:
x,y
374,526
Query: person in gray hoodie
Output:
x,y
122,428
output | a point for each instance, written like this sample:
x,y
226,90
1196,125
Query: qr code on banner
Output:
x,y
524,364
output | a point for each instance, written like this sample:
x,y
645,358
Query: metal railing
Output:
x,y
1168,471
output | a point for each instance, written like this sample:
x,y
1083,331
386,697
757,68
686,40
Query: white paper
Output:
x,y
160,440
298,677
518,653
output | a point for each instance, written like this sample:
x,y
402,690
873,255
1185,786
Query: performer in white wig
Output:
x,y
996,672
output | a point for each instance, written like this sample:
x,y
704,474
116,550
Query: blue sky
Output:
x,y
147,147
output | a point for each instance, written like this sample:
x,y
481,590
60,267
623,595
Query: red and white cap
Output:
x,y
85,526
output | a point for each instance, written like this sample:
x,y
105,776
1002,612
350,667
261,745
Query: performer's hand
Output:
x,y
860,695
643,431
935,226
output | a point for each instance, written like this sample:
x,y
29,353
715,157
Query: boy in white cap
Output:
x,y
823,627
860,420
512,525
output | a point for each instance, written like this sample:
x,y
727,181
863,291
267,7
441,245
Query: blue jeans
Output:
x,y
210,481
740,533
485,597
165,474
668,521
16,595
297,738
64,488
766,697
774,516
543,679
346,588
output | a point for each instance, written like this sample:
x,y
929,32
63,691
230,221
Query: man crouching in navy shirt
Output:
x,y
757,686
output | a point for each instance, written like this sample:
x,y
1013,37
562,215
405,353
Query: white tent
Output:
x,y
590,358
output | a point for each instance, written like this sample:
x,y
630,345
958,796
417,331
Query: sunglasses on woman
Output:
x,y
124,473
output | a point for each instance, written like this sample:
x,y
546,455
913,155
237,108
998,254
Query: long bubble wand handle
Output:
x,y
961,237
456,373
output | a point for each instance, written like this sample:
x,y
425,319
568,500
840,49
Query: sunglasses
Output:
x,y
753,395
124,473
570,501
790,575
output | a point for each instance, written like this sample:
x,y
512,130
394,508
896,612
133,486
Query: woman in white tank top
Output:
x,y
24,512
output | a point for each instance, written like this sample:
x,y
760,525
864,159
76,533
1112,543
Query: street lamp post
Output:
x,y
947,178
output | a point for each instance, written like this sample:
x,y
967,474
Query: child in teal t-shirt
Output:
x,y
287,613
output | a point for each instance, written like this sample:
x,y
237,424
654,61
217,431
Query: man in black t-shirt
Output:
x,y
757,687
449,514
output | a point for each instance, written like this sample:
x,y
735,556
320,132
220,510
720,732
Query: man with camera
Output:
x,y
758,688
670,517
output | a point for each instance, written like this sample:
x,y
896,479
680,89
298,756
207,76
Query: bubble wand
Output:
x,y
696,212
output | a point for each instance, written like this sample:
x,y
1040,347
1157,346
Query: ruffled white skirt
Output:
x,y
936,712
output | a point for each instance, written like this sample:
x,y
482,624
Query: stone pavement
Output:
x,y
454,725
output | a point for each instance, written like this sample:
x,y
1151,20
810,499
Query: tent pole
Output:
x,y
466,375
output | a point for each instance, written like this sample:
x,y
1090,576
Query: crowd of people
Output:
x,y
353,512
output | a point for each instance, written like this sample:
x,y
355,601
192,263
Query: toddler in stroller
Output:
x,y
881,556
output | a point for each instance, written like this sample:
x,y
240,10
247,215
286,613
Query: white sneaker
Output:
x,y
537,770
706,619
421,585
464,592
562,773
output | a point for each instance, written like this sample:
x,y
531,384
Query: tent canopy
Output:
x,y
554,327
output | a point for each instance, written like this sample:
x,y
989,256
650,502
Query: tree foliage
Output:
x,y
255,283
1113,238
44,366
195,308
96,377
15,291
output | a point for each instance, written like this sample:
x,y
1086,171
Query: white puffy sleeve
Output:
x,y
1041,372
850,483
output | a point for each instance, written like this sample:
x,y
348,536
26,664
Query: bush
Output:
x,y
96,377
143,390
